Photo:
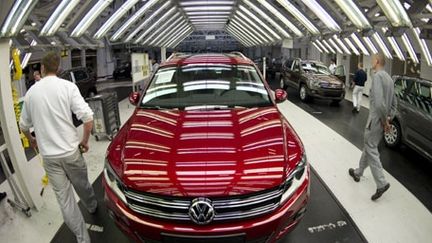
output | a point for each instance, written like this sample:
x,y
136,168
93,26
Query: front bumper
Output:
x,y
266,228
327,93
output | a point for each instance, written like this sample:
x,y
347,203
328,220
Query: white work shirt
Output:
x,y
48,107
332,68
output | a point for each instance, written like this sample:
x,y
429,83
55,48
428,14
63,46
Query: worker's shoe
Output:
x,y
2,195
380,191
352,173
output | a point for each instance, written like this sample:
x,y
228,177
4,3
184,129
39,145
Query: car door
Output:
x,y
423,123
82,80
294,74
340,73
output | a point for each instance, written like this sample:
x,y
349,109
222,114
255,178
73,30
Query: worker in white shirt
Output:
x,y
48,108
332,66
155,65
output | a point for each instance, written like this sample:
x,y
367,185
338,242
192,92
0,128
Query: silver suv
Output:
x,y
413,122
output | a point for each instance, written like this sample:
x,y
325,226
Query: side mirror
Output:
x,y
134,98
281,95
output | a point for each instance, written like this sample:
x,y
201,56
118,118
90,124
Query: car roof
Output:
x,y
210,58
420,80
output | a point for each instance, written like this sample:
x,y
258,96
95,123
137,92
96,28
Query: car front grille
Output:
x,y
227,208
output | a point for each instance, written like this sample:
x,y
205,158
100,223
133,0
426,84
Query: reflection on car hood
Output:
x,y
207,153
326,78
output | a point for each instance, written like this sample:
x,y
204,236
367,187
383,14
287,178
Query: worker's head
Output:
x,y
333,61
378,61
36,76
50,63
153,61
360,65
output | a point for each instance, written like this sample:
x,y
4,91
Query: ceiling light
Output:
x,y
17,17
336,47
316,46
321,46
322,15
172,32
146,22
395,46
409,48
371,46
395,13
90,17
253,25
192,3
180,38
53,43
156,23
377,15
328,46
351,45
174,24
56,19
243,35
248,29
266,17
354,14
119,33
382,45
33,24
176,33
160,28
209,17
423,46
207,8
238,38
207,13
359,44
298,15
341,44
282,18
250,14
246,33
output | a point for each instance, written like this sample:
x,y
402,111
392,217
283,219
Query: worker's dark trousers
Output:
x,y
63,173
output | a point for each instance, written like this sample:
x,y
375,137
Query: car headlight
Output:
x,y
113,181
295,179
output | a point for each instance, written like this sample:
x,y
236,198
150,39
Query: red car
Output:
x,y
206,157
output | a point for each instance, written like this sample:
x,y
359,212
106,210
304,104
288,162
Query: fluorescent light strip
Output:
x,y
237,38
180,39
341,44
162,27
245,34
395,12
423,46
119,33
175,34
359,44
57,18
147,21
255,26
192,3
266,17
27,56
17,17
90,17
259,21
171,32
245,39
371,46
394,45
156,23
336,47
282,18
209,22
351,45
322,46
174,24
409,48
208,13
322,14
328,46
382,45
354,14
299,16
209,17
207,8
246,29
316,46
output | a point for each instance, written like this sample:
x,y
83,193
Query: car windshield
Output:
x,y
206,87
315,68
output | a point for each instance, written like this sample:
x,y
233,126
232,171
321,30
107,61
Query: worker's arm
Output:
x,y
378,97
87,130
25,123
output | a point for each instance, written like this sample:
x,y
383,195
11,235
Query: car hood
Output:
x,y
205,153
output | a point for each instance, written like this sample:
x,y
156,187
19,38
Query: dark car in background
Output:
x,y
84,78
123,71
313,79
413,122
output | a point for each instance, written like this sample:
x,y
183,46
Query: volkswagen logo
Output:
x,y
201,211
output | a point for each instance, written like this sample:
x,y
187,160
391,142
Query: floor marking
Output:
x,y
330,226
95,228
